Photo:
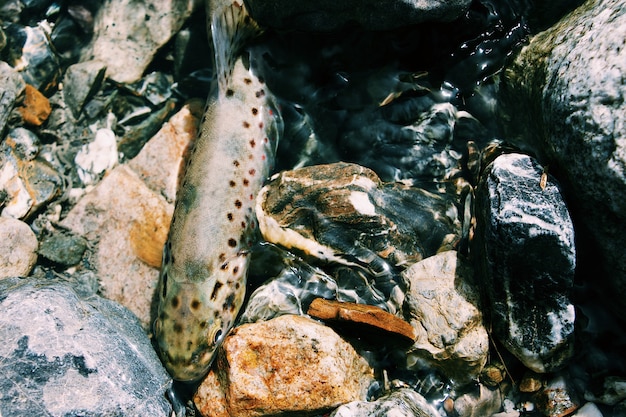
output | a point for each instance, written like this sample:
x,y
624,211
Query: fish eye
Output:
x,y
218,336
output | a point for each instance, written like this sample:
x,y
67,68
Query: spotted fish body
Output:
x,y
205,260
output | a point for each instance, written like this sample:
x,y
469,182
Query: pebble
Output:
x,y
64,355
96,157
531,382
13,86
35,108
484,402
493,374
18,248
444,308
558,398
290,364
403,402
368,318
326,15
124,215
127,44
524,244
613,391
81,82
63,249
588,410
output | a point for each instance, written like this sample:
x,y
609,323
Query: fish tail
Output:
x,y
231,28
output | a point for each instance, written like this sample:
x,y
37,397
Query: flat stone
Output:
x,y
563,99
327,15
81,82
444,308
35,107
18,248
524,247
404,402
361,314
64,249
62,354
290,364
128,33
558,398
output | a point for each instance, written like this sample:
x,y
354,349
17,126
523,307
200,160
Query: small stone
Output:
x,y
63,249
443,305
18,248
81,82
484,403
65,355
558,398
526,257
94,158
589,410
290,364
12,87
531,382
35,108
492,375
404,402
374,318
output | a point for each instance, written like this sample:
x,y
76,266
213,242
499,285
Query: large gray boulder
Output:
x,y
66,355
564,99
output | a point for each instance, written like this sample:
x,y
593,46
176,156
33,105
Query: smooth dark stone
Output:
x,y
524,247
63,249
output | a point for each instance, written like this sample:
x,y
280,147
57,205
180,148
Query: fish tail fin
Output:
x,y
231,28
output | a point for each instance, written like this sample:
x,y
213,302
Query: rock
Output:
x,y
531,382
127,207
404,402
65,355
343,214
81,82
524,246
558,398
613,391
588,410
27,181
35,107
18,248
370,319
288,364
12,87
128,33
493,374
483,403
443,306
96,157
63,249
327,15
563,99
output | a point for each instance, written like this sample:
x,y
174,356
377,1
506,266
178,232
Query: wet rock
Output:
x,y
123,214
369,318
524,244
35,107
531,382
27,181
558,398
493,374
328,15
404,402
67,355
96,157
12,87
288,364
484,402
613,391
81,82
444,310
563,99
63,249
342,213
18,248
128,33
588,410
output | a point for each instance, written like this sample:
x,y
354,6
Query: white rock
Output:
x,y
401,403
19,202
18,248
96,157
588,410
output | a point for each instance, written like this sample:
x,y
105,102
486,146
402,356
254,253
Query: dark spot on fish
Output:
x,y
224,266
261,125
164,281
195,304
246,182
243,225
259,93
175,302
236,163
230,92
255,111
238,204
246,20
222,257
178,328
232,183
237,285
262,80
230,216
251,157
252,171
248,81
252,143
216,289
232,242
246,125
235,270
251,196
229,302
266,140
203,324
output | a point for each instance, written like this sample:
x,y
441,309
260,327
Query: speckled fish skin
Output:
x,y
205,260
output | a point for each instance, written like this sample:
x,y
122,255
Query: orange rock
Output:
x,y
35,108
361,314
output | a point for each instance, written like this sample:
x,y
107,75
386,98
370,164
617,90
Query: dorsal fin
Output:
x,y
231,28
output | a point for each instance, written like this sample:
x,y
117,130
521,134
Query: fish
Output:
x,y
202,281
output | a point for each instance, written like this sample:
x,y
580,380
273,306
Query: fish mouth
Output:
x,y
189,370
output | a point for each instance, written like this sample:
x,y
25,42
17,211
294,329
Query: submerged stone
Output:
x,y
404,402
62,354
524,246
